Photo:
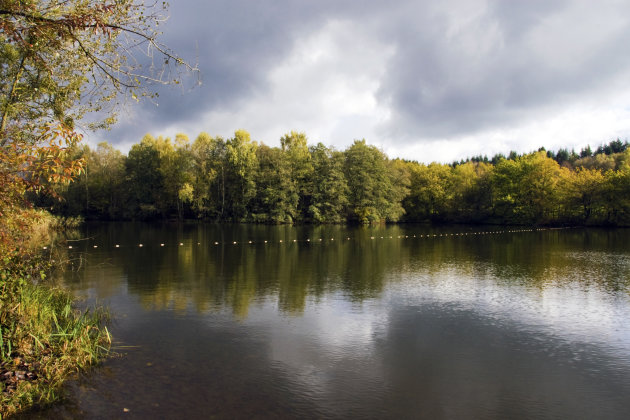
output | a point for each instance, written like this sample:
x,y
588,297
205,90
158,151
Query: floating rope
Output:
x,y
308,240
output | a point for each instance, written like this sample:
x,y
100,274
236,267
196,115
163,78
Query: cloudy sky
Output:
x,y
425,80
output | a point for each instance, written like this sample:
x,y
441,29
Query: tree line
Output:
x,y
240,180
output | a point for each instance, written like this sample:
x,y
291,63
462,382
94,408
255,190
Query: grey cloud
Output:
x,y
235,44
440,82
436,88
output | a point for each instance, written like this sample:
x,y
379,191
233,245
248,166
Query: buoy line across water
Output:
x,y
332,239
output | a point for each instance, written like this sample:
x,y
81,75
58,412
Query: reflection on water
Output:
x,y
385,324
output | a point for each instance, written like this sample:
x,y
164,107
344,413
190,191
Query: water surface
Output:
x,y
332,322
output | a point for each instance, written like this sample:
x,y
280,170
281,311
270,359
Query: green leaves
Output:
x,y
329,199
64,59
376,188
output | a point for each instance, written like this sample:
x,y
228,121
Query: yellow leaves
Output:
x,y
185,193
38,166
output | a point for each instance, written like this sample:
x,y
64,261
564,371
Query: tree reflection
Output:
x,y
202,276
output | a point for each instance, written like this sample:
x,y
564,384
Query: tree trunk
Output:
x,y
10,99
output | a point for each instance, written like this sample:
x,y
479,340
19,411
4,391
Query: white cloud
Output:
x,y
325,87
574,127
423,80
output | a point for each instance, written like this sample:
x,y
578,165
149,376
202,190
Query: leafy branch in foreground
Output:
x,y
34,167
60,60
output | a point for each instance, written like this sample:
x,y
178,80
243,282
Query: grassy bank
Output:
x,y
43,338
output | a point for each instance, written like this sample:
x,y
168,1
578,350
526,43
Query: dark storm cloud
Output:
x,y
234,43
459,67
505,63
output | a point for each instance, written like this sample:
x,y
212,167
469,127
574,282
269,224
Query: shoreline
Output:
x,y
44,338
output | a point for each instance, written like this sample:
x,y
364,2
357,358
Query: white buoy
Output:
x,y
95,246
140,245
216,243
117,246
70,247
181,244
249,242
45,247
161,244
265,241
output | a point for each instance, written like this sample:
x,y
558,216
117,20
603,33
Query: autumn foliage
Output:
x,y
37,167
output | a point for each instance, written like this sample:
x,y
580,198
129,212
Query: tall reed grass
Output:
x,y
43,337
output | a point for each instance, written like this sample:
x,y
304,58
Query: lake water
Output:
x,y
401,321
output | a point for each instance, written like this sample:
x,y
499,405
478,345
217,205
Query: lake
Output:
x,y
402,321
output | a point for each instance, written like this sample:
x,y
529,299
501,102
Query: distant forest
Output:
x,y
239,180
